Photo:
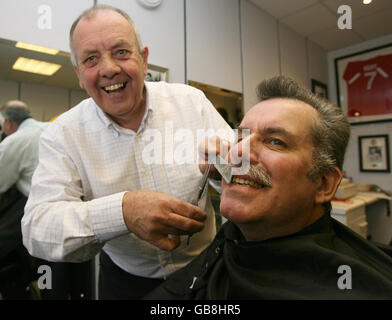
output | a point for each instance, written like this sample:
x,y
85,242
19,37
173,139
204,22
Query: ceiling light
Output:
x,y
367,1
35,66
34,47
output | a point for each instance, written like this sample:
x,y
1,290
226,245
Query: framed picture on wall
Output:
x,y
364,85
374,153
156,73
319,88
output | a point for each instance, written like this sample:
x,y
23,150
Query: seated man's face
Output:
x,y
280,146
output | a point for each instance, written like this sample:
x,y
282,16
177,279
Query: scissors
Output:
x,y
200,190
224,169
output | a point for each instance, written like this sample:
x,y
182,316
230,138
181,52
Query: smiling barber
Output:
x,y
92,188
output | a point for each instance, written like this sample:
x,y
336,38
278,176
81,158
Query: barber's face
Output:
x,y
110,66
281,146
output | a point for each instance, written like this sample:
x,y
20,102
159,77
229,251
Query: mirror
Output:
x,y
228,103
47,96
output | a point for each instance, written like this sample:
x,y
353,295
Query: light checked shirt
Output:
x,y
87,162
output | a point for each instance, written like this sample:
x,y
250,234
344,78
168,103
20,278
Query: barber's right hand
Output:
x,y
160,218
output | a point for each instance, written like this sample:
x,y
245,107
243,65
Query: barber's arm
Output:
x,y
60,225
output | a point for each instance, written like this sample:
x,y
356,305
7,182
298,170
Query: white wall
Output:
x,y
384,180
213,43
270,48
45,102
293,55
260,49
8,91
162,30
21,20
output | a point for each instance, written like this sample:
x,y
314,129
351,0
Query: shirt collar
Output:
x,y
26,123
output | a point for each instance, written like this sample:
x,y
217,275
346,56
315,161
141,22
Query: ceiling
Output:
x,y
317,20
65,77
313,19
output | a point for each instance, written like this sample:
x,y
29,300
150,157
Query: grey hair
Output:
x,y
15,110
330,133
89,13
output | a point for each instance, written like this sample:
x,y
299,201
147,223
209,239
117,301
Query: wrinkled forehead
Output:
x,y
103,18
294,116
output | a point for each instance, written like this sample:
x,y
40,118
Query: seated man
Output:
x,y
280,241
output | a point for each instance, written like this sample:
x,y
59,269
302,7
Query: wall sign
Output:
x,y
364,85
374,153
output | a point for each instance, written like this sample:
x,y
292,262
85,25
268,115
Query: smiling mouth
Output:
x,y
114,87
248,183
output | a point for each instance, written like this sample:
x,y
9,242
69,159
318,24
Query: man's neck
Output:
x,y
133,119
263,230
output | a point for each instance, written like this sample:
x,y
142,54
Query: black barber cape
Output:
x,y
305,265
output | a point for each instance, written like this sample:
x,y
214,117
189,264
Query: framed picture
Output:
x,y
156,73
364,85
320,89
374,153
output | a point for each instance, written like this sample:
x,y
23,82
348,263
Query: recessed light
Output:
x,y
35,66
367,1
34,47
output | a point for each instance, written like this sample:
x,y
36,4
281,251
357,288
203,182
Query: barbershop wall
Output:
x,y
230,44
45,102
384,180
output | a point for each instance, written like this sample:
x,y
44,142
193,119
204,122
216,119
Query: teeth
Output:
x,y
246,182
114,87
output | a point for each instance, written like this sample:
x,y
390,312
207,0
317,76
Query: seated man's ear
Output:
x,y
327,185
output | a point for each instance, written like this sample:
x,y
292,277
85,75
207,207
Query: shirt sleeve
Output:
x,y
9,163
58,225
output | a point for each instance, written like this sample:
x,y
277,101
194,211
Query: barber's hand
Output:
x,y
208,150
160,218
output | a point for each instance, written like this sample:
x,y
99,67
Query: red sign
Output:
x,y
369,86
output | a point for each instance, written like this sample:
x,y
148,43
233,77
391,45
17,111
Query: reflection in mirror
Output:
x,y
228,103
47,96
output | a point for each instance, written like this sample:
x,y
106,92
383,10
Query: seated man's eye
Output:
x,y
278,142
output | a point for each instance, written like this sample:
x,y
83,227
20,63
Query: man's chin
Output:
x,y
233,210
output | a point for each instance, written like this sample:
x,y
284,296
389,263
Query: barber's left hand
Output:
x,y
208,150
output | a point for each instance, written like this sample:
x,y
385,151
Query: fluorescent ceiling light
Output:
x,y
34,47
35,66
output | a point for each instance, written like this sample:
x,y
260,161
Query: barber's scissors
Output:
x,y
200,190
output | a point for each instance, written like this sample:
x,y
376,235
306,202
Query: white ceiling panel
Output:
x,y
304,23
358,9
366,27
334,38
317,19
282,8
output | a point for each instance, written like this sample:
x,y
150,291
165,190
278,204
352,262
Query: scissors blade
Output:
x,y
202,184
200,190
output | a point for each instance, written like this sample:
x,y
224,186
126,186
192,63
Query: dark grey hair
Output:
x,y
15,110
330,133
89,13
